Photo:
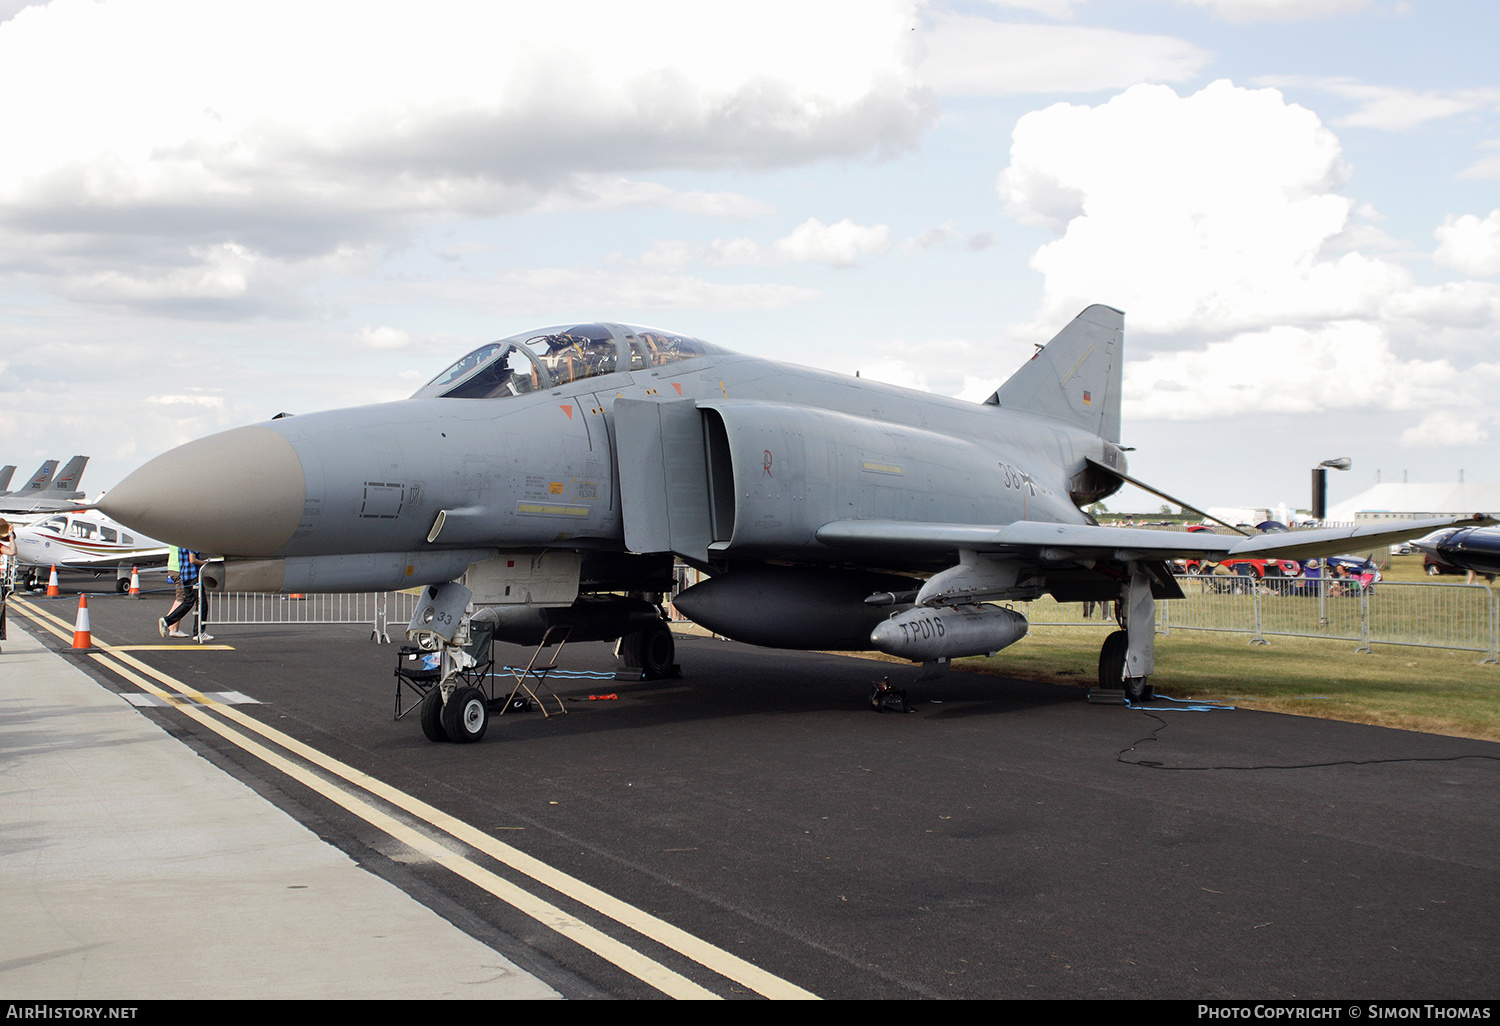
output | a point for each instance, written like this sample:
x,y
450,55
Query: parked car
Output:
x,y
1258,568
1263,567
1432,566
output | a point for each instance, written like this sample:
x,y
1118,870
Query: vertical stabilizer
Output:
x,y
38,480
5,476
1074,378
65,482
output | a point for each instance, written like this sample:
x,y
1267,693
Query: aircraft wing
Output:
x,y
18,504
1071,542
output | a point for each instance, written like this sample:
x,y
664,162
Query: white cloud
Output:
x,y
615,192
292,131
1207,212
1447,428
382,338
839,245
1485,167
212,402
945,235
1391,108
1339,366
1470,245
974,56
1051,8
1279,10
546,290
1216,221
1395,109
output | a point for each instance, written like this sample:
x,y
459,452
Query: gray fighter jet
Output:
x,y
559,473
46,492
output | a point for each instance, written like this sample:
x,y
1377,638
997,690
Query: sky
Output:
x,y
211,213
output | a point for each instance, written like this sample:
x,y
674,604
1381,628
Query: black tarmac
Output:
x,y
1004,839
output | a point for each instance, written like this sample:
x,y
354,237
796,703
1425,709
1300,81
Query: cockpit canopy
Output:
x,y
548,357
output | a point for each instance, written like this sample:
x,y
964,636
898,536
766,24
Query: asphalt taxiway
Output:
x,y
751,829
133,869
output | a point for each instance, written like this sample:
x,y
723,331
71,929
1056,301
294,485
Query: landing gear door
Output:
x,y
663,475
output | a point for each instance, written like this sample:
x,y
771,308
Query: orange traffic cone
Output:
x,y
52,589
135,582
81,637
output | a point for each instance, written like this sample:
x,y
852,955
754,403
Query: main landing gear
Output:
x,y
1128,655
1112,670
652,652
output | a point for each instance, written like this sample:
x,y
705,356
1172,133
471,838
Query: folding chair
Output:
x,y
558,636
419,670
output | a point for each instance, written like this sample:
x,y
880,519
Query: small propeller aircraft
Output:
x,y
86,540
553,478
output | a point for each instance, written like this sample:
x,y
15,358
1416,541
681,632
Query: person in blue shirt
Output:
x,y
189,562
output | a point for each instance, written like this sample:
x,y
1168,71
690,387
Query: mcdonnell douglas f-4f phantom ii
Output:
x,y
557,469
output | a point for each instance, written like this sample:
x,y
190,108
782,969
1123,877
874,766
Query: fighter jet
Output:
x,y
553,477
44,492
37,481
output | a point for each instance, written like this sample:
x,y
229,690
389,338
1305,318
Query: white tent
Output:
x,y
1401,501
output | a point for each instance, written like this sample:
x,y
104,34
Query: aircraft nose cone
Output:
x,y
1429,543
236,493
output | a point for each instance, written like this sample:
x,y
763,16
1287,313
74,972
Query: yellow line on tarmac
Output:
x,y
633,962
668,982
171,648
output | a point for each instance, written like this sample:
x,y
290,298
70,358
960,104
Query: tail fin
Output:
x,y
5,476
66,480
1076,377
39,479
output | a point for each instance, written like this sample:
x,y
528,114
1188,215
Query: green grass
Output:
x,y
1432,690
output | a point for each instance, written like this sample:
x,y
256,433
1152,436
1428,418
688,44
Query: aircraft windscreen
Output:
x,y
462,368
555,356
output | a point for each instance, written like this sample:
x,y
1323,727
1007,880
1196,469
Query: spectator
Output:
x,y
190,561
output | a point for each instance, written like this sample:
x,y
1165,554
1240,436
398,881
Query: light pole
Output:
x,y
1320,485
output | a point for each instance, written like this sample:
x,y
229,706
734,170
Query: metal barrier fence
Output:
x,y
1464,617
377,609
